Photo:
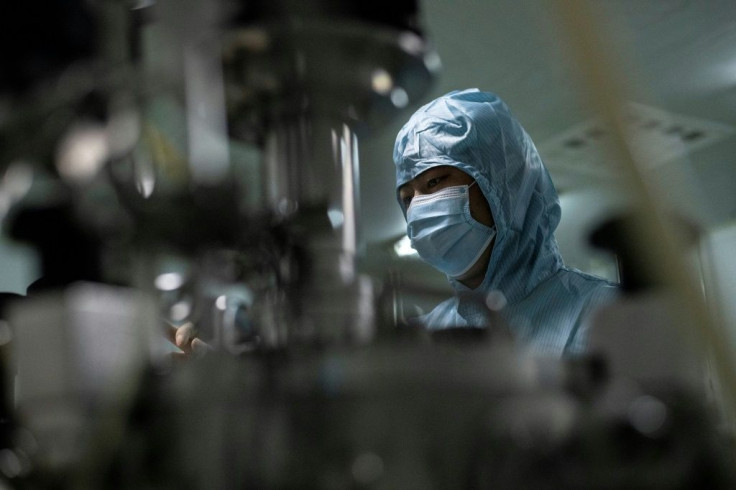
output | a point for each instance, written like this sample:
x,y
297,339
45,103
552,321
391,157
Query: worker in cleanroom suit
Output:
x,y
481,207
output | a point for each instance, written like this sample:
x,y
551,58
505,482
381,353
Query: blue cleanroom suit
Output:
x,y
548,304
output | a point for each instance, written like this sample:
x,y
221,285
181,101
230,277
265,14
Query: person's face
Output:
x,y
438,178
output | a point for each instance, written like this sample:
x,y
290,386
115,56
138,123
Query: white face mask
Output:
x,y
444,233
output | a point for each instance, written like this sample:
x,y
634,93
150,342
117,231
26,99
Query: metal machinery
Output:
x,y
116,164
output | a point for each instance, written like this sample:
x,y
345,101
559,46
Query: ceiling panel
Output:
x,y
676,56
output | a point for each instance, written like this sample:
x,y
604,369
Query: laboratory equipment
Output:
x,y
144,218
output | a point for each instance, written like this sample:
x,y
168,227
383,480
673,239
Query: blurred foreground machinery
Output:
x,y
117,165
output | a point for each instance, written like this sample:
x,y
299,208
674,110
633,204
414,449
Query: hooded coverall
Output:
x,y
548,305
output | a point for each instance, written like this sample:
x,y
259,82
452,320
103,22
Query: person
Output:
x,y
480,207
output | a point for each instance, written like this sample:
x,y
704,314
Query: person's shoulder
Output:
x,y
594,288
588,279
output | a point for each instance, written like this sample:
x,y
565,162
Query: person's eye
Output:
x,y
433,182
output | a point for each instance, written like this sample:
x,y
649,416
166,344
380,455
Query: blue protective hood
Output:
x,y
475,132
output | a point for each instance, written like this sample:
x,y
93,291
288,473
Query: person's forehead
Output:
x,y
406,186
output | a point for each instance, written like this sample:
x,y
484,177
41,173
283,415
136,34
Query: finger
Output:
x,y
184,336
199,347
170,332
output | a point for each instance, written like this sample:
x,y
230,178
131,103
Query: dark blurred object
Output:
x,y
42,38
614,236
7,374
68,251
288,59
399,14
665,440
472,335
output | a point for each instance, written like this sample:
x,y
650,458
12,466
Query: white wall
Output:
x,y
582,212
720,273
